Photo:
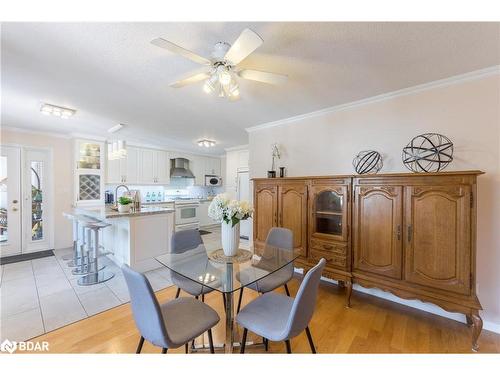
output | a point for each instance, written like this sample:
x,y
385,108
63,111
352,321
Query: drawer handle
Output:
x,y
328,247
399,232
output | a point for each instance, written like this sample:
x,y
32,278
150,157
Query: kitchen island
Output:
x,y
134,238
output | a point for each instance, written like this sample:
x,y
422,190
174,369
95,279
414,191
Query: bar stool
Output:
x,y
82,261
95,273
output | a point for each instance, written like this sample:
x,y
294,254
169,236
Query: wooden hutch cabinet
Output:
x,y
413,235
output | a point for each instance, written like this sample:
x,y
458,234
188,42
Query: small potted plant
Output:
x,y
124,204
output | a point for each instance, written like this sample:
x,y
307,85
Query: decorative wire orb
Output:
x,y
367,162
429,152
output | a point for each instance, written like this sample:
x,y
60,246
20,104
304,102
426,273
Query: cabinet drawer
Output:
x,y
337,249
332,259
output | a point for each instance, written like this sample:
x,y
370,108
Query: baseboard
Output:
x,y
419,305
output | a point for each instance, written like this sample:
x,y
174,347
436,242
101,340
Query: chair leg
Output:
x,y
211,341
288,347
139,347
196,297
178,293
243,341
224,300
286,290
202,298
266,344
186,348
239,301
164,351
311,343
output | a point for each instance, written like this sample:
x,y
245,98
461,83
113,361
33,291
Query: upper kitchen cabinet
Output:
x,y
154,167
89,167
141,166
212,166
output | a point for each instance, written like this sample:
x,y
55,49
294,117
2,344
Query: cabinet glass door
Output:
x,y
89,155
329,213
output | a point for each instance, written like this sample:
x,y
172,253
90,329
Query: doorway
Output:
x,y
243,193
26,222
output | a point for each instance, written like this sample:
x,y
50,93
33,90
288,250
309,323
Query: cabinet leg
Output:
x,y
348,293
342,283
477,326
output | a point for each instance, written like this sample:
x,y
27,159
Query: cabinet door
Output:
x,y
162,167
197,166
438,243
377,230
328,212
113,171
266,208
89,155
147,166
132,166
293,213
212,166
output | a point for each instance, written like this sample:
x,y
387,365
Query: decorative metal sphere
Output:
x,y
429,152
367,162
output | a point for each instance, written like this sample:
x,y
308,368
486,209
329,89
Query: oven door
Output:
x,y
186,214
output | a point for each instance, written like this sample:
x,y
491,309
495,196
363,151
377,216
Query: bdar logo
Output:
x,y
8,346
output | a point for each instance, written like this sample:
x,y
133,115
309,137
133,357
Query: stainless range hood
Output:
x,y
179,168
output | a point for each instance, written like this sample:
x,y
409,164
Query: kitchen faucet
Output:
x,y
116,192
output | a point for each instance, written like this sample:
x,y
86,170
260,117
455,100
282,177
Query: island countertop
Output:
x,y
103,212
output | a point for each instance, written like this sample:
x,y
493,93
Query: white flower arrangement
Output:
x,y
229,210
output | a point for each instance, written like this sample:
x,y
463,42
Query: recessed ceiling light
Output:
x,y
115,128
54,110
206,143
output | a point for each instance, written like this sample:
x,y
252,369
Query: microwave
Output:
x,y
211,180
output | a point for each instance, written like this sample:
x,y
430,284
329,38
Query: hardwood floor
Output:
x,y
372,325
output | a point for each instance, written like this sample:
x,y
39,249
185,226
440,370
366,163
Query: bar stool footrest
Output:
x,y
95,278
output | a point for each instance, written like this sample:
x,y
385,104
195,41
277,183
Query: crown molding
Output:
x,y
36,132
470,76
236,148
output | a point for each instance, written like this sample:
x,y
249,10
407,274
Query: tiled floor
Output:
x,y
40,295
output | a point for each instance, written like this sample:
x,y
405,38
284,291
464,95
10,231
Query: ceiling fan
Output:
x,y
220,70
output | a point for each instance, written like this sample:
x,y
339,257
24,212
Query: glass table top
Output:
x,y
195,265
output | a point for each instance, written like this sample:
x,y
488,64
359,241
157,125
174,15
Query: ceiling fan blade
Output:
x,y
172,47
266,77
193,77
247,42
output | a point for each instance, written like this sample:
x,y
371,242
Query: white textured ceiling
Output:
x,y
111,73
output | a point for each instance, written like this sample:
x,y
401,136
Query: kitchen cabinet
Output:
x,y
89,172
205,220
140,166
212,166
197,166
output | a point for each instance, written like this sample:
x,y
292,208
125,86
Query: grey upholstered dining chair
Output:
x,y
183,241
282,238
169,325
277,317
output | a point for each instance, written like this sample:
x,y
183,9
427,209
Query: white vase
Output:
x,y
122,208
230,237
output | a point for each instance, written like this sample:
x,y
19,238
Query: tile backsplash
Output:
x,y
155,193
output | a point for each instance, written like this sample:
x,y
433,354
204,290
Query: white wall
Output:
x,y
467,111
62,149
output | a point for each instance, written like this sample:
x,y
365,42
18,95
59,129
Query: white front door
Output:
x,y
10,201
244,195
37,215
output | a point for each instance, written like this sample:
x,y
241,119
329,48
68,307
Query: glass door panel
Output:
x,y
329,212
36,169
89,155
37,227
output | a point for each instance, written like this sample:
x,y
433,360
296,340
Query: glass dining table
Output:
x,y
213,271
